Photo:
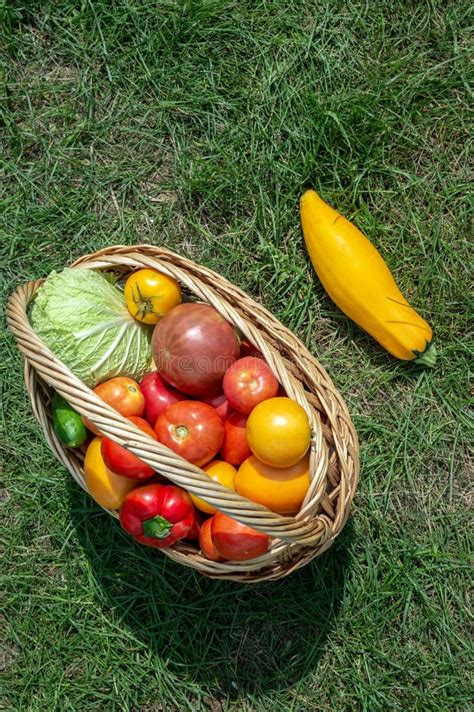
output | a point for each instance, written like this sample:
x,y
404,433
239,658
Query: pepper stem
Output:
x,y
157,528
428,357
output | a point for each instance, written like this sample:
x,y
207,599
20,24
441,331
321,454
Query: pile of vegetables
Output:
x,y
209,397
180,373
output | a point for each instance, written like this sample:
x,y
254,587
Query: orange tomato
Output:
x,y
206,544
150,294
218,471
281,489
108,489
120,393
278,432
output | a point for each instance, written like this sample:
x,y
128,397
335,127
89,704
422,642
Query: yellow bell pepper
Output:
x,y
108,489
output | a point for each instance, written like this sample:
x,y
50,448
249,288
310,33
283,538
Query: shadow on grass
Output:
x,y
228,637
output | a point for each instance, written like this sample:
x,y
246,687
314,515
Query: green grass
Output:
x,y
196,125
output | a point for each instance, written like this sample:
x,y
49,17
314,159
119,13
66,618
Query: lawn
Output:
x,y
196,125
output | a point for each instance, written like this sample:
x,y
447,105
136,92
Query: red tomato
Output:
x,y
192,429
206,544
122,462
158,396
196,528
220,404
236,541
120,393
235,448
248,382
193,345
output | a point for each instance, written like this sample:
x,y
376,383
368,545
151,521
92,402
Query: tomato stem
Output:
x,y
144,304
181,431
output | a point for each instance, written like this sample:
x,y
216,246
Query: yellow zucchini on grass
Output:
x,y
357,279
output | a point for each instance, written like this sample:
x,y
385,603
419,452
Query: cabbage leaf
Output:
x,y
82,317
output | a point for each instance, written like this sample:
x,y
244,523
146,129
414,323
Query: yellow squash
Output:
x,y
357,279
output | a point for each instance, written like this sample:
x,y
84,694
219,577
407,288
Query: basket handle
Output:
x,y
305,532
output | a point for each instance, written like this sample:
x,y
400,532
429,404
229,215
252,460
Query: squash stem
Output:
x,y
428,357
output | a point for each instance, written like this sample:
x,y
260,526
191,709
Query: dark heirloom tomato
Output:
x,y
248,349
193,346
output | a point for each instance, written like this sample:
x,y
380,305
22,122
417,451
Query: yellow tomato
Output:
x,y
108,489
150,294
278,432
281,489
221,472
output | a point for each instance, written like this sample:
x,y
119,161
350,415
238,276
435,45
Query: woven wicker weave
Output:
x,y
334,449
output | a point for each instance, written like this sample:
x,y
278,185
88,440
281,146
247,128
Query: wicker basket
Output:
x,y
334,450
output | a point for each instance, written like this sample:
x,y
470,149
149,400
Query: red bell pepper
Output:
x,y
193,534
158,515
